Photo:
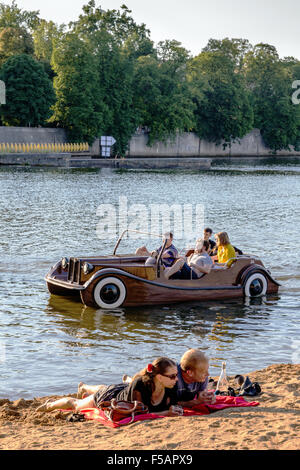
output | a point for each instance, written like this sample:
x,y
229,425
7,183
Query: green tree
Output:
x,y
235,49
223,111
79,107
14,41
270,81
11,16
162,96
100,53
29,92
45,35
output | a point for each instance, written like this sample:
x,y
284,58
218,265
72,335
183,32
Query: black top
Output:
x,y
212,245
169,398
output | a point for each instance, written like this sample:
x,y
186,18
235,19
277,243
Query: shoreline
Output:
x,y
274,424
195,163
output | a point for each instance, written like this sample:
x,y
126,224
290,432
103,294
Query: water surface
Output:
x,y
48,344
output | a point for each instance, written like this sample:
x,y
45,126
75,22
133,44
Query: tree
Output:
x,y
270,81
223,111
29,92
45,35
235,49
14,41
162,97
11,16
16,26
100,53
79,107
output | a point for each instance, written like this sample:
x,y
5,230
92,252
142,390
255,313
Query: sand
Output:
x,y
274,424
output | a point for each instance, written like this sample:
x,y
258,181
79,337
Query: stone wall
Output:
x,y
35,135
189,145
183,145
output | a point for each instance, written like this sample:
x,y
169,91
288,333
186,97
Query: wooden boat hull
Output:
x,y
128,282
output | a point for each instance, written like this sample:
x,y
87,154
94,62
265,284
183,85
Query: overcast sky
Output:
x,y
193,22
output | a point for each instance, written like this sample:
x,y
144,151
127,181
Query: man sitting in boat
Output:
x,y
169,255
207,233
194,267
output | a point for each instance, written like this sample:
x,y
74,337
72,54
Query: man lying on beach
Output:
x,y
192,382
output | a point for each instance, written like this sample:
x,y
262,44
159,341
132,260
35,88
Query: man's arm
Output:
x,y
203,397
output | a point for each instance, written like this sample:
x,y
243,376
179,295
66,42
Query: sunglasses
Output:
x,y
171,377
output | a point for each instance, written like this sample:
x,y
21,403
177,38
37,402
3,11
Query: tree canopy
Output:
x,y
109,78
29,92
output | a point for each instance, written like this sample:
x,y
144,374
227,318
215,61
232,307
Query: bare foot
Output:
x,y
126,379
81,390
45,407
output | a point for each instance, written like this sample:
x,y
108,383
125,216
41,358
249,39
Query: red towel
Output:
x,y
203,409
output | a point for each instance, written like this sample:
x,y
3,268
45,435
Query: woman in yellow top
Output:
x,y
225,249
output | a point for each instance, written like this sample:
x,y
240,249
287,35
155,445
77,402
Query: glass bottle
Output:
x,y
222,386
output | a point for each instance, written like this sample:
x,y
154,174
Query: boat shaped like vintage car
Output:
x,y
125,280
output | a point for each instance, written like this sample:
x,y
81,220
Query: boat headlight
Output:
x,y
87,268
64,263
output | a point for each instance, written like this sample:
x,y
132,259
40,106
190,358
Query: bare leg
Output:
x,y
142,251
85,389
68,403
168,272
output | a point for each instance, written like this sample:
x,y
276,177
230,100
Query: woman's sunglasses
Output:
x,y
171,377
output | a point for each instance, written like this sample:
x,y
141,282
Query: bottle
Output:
x,y
222,386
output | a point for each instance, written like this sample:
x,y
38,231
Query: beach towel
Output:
x,y
222,402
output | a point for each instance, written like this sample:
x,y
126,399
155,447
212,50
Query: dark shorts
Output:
x,y
108,393
185,273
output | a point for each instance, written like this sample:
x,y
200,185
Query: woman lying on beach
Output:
x,y
153,386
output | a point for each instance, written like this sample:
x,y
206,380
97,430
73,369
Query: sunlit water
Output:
x,y
48,344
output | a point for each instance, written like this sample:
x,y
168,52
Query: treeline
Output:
x,y
103,75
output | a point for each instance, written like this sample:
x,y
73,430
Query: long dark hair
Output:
x,y
158,366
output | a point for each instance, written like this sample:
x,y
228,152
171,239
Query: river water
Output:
x,y
48,344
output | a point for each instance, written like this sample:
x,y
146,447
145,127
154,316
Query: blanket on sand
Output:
x,y
203,409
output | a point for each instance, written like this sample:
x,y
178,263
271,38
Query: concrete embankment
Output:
x,y
185,151
70,161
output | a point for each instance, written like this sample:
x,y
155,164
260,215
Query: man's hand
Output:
x,y
206,397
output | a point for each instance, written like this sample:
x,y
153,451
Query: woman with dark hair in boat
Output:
x,y
153,386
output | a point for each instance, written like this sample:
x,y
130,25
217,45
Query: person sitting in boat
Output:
x,y
226,252
196,265
153,386
207,233
191,387
169,255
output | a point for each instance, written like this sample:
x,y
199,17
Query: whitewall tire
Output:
x,y
110,292
256,285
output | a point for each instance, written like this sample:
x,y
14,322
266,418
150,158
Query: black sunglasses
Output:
x,y
171,377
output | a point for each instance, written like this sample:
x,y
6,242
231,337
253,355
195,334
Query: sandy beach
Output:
x,y
274,424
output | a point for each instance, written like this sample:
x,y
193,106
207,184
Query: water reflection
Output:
x,y
216,327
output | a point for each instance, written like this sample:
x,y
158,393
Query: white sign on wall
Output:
x,y
106,143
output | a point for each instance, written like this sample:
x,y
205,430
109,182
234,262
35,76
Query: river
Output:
x,y
48,344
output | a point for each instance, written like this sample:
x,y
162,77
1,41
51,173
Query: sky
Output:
x,y
194,22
